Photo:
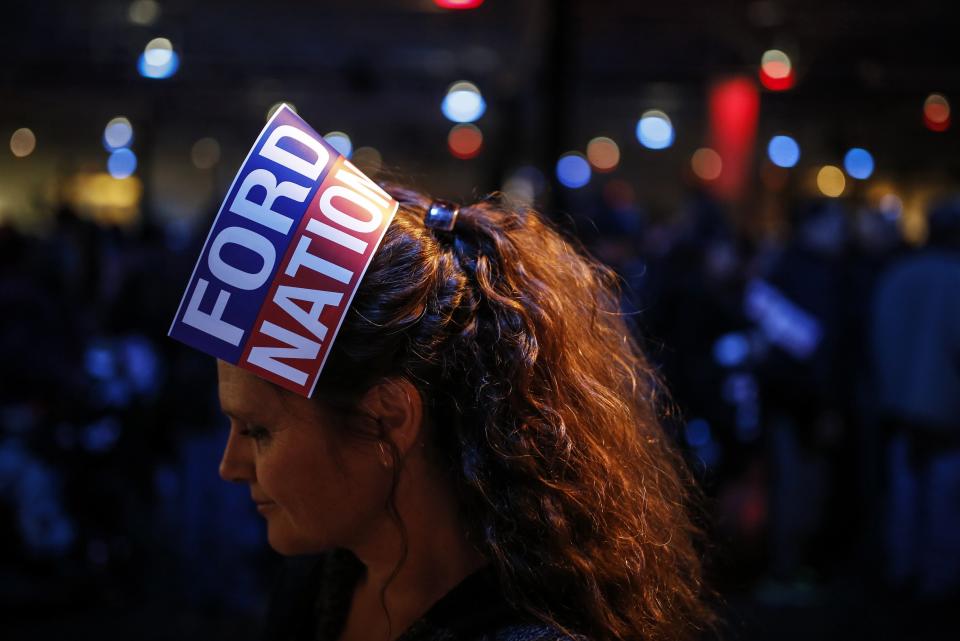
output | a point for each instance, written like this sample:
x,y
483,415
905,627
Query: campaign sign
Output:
x,y
285,256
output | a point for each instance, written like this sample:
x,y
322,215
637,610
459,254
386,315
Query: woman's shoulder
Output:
x,y
308,603
477,610
531,632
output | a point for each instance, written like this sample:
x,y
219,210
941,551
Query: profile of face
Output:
x,y
316,488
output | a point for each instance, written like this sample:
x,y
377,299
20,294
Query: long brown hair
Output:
x,y
545,414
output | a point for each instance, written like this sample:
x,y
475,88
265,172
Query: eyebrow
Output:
x,y
235,414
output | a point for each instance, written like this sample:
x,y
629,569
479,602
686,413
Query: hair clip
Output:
x,y
442,214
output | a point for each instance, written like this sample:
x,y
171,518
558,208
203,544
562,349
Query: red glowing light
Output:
x,y
458,4
734,107
936,112
777,82
934,125
465,141
706,164
776,70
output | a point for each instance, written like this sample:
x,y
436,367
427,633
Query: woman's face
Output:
x,y
315,489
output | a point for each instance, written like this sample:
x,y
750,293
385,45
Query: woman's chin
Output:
x,y
284,543
286,547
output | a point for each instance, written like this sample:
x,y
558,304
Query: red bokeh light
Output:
x,y
777,82
934,125
458,4
465,141
734,107
936,113
776,70
706,164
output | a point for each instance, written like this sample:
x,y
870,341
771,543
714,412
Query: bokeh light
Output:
x,y
23,142
654,130
603,153
830,181
524,185
890,205
463,102
859,163
697,432
706,164
158,59
458,4
776,70
158,52
205,153
783,151
731,350
936,112
275,106
341,142
573,170
143,12
465,141
118,133
520,190
368,160
104,198
122,163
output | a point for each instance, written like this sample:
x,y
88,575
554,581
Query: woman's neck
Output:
x,y
439,554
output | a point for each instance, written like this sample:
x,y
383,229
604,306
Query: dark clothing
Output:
x,y
916,352
312,598
916,341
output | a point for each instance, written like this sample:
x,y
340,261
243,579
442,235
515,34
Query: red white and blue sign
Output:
x,y
285,256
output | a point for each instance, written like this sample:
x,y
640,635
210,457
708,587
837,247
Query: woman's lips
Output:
x,y
265,506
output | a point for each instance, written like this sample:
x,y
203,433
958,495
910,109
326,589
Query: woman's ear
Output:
x,y
397,406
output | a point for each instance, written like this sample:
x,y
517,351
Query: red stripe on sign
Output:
x,y
318,278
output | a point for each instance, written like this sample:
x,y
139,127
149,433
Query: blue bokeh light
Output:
x,y
101,435
117,134
654,130
731,349
341,142
158,71
783,151
573,170
859,163
463,105
122,163
99,363
697,432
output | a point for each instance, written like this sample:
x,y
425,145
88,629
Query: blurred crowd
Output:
x,y
816,377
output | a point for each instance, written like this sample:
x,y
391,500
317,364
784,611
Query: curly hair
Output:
x,y
546,416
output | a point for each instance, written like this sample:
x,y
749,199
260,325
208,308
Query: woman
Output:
x,y
482,454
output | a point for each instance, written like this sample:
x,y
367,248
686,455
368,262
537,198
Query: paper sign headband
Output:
x,y
284,258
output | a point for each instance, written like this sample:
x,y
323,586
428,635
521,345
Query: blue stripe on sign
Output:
x,y
250,236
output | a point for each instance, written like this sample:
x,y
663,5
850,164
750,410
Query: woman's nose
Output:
x,y
235,465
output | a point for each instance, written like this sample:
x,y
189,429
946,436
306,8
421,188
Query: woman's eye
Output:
x,y
255,432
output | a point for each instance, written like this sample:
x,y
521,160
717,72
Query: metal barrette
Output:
x,y
442,214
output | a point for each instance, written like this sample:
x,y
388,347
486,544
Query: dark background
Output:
x,y
834,514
